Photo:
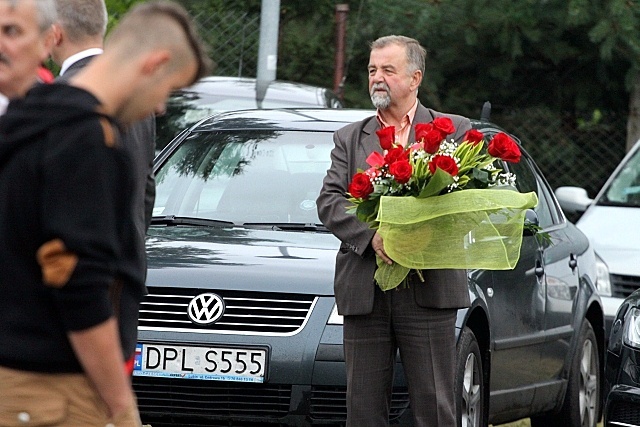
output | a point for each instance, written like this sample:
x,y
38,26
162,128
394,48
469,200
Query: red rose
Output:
x,y
387,137
504,147
446,163
432,141
444,125
473,136
401,171
429,136
360,186
395,154
422,129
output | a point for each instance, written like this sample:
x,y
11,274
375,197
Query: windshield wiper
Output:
x,y
184,220
287,226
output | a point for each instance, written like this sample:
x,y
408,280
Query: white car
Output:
x,y
611,221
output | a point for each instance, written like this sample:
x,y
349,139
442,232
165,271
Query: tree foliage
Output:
x,y
576,55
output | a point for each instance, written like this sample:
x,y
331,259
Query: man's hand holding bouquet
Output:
x,y
441,204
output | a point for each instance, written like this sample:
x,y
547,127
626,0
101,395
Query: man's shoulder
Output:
x,y
435,114
356,127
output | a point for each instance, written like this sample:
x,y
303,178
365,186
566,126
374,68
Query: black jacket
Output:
x,y
60,178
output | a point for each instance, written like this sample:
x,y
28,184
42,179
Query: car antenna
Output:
x,y
485,114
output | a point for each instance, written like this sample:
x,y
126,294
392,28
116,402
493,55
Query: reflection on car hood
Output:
x,y
241,259
615,236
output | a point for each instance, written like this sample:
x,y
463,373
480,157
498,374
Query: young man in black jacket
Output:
x,y
68,315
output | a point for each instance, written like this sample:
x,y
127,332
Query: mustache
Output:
x,y
4,59
377,86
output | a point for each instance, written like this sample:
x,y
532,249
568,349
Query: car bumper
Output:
x,y
623,406
305,384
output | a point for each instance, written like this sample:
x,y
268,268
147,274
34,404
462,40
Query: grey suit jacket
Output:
x,y
355,261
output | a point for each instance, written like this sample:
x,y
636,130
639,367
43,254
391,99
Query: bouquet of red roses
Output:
x,y
414,197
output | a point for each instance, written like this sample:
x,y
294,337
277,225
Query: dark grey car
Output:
x,y
217,94
240,325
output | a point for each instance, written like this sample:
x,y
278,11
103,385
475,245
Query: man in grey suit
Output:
x,y
419,319
78,38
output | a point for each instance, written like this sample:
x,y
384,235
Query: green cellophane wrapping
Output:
x,y
462,230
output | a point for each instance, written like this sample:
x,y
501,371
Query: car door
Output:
x,y
557,272
561,256
517,306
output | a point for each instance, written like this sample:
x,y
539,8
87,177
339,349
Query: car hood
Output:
x,y
615,236
241,259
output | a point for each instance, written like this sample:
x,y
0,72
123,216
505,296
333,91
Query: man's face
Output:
x,y
390,82
23,46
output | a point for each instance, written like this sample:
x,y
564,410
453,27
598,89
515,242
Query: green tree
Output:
x,y
579,56
117,8
615,30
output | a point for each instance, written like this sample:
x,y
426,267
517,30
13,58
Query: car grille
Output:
x,y
182,398
246,313
169,401
330,403
623,286
624,414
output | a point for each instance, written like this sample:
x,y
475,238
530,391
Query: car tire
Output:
x,y
580,406
469,386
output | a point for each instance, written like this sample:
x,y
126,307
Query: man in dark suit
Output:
x,y
418,319
78,38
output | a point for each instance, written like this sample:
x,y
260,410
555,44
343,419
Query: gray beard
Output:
x,y
381,102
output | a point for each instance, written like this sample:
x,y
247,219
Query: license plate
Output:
x,y
203,363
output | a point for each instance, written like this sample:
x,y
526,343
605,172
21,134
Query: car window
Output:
x,y
245,176
527,181
185,109
624,189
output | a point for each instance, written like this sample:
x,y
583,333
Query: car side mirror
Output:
x,y
531,222
573,199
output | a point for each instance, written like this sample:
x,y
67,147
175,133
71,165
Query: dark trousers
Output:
x,y
426,339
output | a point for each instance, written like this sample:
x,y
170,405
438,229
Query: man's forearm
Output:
x,y
99,352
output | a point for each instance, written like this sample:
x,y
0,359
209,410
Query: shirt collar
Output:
x,y
4,103
77,57
408,118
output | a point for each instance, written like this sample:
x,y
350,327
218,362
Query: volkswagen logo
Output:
x,y
205,309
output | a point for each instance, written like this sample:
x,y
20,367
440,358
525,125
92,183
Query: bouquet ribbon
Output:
x,y
470,229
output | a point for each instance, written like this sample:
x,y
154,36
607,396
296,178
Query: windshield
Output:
x,y
624,188
245,177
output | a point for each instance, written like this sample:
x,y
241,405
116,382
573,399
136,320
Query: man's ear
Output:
x,y
416,79
49,40
58,34
154,61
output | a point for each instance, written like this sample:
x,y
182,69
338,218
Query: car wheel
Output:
x,y
469,387
580,406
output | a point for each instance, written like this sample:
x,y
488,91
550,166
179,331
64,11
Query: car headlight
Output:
x,y
603,281
631,335
335,318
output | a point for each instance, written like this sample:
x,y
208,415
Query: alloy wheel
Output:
x,y
588,384
471,396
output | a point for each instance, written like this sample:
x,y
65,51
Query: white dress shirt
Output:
x,y
77,57
4,102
